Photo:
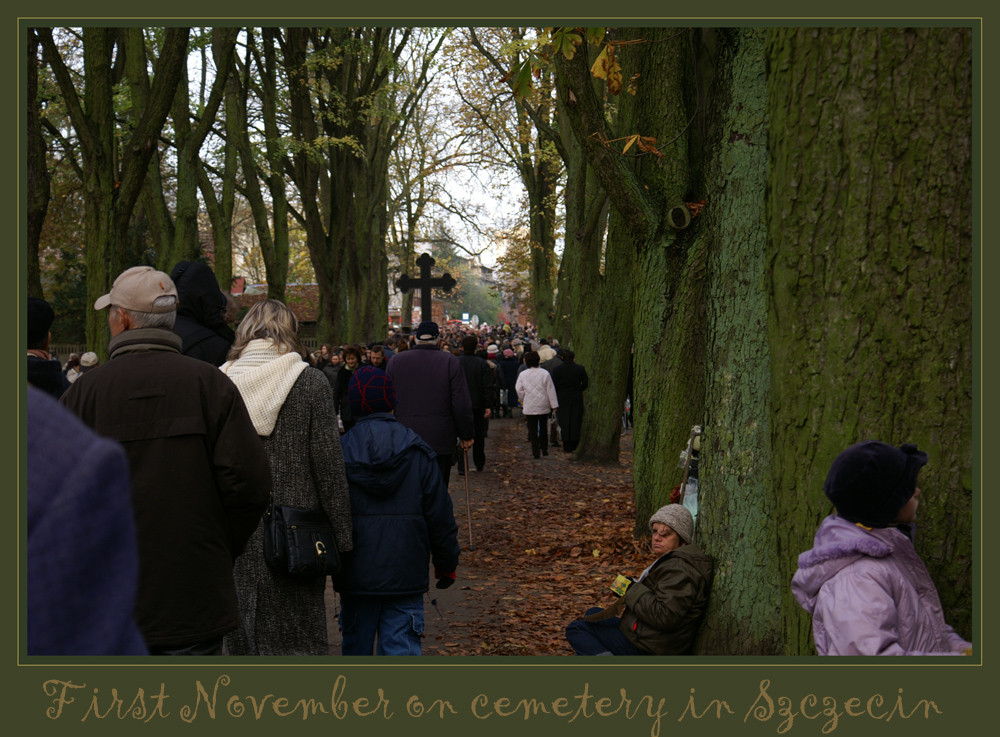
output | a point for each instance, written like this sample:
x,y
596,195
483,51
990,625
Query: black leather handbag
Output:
x,y
299,542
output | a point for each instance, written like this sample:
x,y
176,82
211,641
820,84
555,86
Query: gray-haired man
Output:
x,y
199,476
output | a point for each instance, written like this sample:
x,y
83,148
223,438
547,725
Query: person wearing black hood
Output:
x,y
201,313
44,371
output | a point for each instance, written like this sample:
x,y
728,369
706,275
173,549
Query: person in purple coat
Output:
x,y
866,588
433,397
83,560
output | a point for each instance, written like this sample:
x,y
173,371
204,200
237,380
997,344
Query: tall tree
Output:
x,y
219,193
190,129
775,311
736,514
870,256
37,180
113,175
275,211
645,192
522,132
348,108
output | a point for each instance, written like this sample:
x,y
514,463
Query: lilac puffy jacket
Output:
x,y
870,594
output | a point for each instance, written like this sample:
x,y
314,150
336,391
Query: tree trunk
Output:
x,y
870,253
737,502
669,270
273,245
37,180
612,335
221,209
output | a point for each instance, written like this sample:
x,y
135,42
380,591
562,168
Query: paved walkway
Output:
x,y
548,536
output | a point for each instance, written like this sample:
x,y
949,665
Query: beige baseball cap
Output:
x,y
137,288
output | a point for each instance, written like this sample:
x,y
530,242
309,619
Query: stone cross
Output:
x,y
425,283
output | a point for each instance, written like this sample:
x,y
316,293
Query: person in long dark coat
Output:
x,y
508,367
352,359
291,408
570,379
479,379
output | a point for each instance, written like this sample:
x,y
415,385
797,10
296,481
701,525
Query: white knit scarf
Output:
x,y
264,375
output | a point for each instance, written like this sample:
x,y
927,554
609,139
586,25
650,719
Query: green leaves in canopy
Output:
x,y
565,41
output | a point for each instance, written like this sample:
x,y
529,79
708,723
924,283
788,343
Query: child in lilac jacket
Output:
x,y
866,588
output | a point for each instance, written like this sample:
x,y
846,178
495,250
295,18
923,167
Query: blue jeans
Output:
x,y
599,638
396,622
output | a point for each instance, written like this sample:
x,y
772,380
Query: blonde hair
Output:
x,y
269,320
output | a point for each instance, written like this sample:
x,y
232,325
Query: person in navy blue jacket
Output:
x,y
402,517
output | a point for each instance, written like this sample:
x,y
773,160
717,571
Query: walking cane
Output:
x,y
468,505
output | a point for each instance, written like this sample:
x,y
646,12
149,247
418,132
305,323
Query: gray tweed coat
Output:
x,y
281,615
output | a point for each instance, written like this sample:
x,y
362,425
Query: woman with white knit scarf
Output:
x,y
291,406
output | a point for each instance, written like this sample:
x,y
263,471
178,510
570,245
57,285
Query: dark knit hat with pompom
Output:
x,y
370,390
871,481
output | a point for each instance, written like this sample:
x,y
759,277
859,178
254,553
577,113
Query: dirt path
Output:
x,y
548,537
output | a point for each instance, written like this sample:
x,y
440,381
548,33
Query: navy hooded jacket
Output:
x,y
401,511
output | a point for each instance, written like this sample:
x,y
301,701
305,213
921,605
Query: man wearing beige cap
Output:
x,y
199,473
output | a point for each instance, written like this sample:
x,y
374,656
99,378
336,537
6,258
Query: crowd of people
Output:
x,y
151,478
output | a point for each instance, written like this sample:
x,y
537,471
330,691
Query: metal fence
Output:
x,y
63,350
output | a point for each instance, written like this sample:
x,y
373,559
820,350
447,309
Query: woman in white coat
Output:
x,y
538,399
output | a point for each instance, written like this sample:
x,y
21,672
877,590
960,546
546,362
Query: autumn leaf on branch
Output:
x,y
645,144
565,41
606,67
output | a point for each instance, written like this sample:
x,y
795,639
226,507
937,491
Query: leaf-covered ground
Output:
x,y
548,538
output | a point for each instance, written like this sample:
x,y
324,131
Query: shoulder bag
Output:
x,y
299,542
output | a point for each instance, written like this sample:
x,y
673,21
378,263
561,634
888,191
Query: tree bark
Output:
x,y
38,183
737,503
869,224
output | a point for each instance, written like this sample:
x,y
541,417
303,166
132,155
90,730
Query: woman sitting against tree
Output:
x,y
660,611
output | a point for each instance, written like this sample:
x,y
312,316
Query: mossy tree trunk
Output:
x,y
668,268
270,217
642,188
737,500
870,255
611,338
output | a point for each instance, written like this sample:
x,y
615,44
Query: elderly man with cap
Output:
x,y
433,396
866,588
660,611
199,474
402,516
44,371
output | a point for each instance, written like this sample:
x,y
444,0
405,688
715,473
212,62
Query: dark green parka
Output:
x,y
664,609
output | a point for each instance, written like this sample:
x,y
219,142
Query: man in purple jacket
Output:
x,y
433,397
83,562
866,588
